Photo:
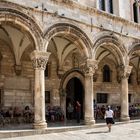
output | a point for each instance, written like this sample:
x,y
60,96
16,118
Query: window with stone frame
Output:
x,y
106,74
102,5
110,5
106,5
102,97
136,11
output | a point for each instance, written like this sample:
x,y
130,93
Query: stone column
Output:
x,y
126,70
39,60
90,67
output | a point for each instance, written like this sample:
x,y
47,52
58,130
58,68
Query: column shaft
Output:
x,y
124,100
39,97
89,69
89,109
39,60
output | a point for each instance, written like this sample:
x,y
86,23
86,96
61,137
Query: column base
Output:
x,y
41,125
89,121
125,119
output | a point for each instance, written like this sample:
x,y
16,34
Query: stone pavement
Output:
x,y
120,131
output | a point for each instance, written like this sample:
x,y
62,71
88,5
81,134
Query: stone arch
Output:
x,y
108,38
71,74
73,32
134,49
134,57
20,17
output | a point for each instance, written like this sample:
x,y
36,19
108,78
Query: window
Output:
x,y
102,97
135,11
47,97
110,4
102,5
106,5
106,74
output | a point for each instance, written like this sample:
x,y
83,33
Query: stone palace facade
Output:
x,y
53,52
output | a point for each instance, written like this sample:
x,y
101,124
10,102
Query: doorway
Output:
x,y
75,92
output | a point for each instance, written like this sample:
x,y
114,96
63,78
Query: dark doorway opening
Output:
x,y
75,92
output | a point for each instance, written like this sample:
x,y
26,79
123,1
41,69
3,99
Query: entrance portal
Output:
x,y
75,92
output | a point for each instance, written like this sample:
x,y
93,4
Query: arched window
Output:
x,y
106,73
135,11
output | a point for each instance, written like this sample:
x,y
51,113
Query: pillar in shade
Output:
x,y
125,72
90,67
39,60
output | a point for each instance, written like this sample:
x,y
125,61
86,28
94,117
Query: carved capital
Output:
x,y
39,59
125,71
90,67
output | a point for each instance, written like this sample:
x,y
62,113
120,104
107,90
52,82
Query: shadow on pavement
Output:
x,y
97,132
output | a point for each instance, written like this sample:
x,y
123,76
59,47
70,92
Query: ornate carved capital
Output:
x,y
39,59
90,67
124,71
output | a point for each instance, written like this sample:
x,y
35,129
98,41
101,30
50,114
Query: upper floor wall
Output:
x,y
128,9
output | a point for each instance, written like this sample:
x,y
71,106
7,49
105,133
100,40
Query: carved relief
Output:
x,y
39,63
90,67
39,59
124,72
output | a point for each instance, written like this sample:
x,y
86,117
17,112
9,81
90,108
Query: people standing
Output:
x,y
78,111
109,117
70,109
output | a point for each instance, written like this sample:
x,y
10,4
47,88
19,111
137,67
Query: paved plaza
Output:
x,y
124,131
